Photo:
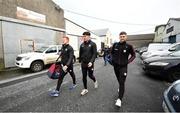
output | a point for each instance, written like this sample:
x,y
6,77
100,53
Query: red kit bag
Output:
x,y
54,72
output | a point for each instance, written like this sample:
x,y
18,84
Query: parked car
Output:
x,y
167,66
38,59
143,49
154,49
167,49
171,98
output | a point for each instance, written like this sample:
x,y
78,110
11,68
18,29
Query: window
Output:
x,y
51,50
169,29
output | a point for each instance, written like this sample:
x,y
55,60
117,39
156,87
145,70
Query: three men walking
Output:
x,y
120,52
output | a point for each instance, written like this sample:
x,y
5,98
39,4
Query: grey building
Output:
x,y
32,10
26,25
172,31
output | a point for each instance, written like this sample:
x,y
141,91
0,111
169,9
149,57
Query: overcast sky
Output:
x,y
132,16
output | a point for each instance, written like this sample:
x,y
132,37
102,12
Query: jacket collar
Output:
x,y
122,43
87,42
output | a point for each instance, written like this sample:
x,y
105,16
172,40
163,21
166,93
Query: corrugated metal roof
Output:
x,y
141,37
177,19
101,32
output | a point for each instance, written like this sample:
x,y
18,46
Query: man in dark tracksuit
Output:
x,y
66,56
87,55
105,55
120,59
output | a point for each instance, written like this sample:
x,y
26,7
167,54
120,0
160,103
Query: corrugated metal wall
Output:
x,y
16,37
1,48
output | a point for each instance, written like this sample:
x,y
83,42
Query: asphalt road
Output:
x,y
143,93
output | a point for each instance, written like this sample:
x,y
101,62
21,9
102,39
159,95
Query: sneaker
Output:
x,y
54,93
118,103
96,84
84,91
72,87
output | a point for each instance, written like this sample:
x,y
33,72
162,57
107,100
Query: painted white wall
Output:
x,y
97,40
75,31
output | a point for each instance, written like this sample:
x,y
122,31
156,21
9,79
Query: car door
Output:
x,y
51,55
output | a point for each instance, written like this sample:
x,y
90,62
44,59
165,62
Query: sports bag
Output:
x,y
55,71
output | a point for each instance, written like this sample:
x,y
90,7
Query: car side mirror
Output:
x,y
172,49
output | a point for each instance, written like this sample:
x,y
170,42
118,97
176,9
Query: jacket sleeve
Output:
x,y
112,49
133,54
71,54
94,53
80,54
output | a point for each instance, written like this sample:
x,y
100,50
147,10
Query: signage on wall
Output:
x,y
30,15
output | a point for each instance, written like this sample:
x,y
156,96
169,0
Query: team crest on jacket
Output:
x,y
124,51
66,49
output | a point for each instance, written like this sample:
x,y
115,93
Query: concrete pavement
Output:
x,y
143,93
15,75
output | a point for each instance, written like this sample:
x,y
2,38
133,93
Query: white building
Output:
x,y
105,35
75,31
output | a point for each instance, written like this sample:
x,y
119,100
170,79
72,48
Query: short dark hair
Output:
x,y
123,33
87,33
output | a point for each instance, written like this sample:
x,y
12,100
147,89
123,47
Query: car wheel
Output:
x,y
37,66
174,75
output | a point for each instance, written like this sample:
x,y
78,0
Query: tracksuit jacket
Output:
x,y
88,52
120,53
66,55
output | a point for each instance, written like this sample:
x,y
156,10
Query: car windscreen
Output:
x,y
41,50
158,47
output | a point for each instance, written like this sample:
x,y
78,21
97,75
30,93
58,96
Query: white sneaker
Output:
x,y
84,91
118,103
96,84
